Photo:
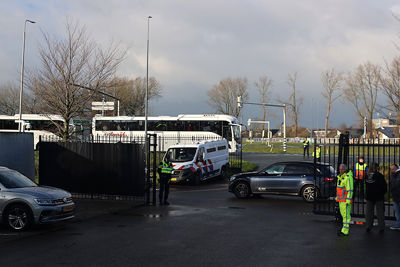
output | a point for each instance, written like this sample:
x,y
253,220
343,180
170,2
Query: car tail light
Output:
x,y
329,179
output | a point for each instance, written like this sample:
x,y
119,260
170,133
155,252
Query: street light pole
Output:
x,y
146,110
22,76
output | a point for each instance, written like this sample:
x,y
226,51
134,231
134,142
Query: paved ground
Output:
x,y
204,226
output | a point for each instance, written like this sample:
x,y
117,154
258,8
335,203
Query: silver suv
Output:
x,y
23,203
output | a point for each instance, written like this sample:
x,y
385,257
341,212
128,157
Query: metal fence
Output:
x,y
158,144
347,151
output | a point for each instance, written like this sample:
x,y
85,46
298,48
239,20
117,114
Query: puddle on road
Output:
x,y
157,212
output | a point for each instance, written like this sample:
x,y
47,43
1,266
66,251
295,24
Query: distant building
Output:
x,y
384,122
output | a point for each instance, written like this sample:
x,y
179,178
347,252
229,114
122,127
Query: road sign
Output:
x,y
103,105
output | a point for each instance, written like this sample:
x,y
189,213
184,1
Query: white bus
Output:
x,y
41,125
183,128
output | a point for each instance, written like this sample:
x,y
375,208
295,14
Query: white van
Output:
x,y
199,161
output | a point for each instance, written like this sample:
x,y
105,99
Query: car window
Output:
x,y
275,169
13,179
298,169
326,171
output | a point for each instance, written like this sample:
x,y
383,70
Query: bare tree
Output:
x,y
132,93
390,81
362,87
294,102
9,100
223,96
75,59
331,81
263,86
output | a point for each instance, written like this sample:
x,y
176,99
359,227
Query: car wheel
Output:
x,y
18,217
309,194
242,190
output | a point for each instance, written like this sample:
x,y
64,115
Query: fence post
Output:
x,y
343,154
147,163
154,169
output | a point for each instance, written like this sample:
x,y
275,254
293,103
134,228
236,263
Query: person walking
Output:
x,y
344,194
306,147
395,190
164,170
376,188
317,154
360,171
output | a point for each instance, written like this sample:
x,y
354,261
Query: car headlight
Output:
x,y
232,178
44,201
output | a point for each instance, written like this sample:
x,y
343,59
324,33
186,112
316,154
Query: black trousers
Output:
x,y
380,214
308,151
164,186
358,189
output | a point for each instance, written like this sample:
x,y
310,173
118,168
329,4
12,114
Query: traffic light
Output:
x,y
239,101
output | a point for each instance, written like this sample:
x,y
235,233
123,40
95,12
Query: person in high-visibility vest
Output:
x,y
344,195
317,154
165,171
360,173
306,146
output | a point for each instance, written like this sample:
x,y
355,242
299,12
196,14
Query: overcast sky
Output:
x,y
195,44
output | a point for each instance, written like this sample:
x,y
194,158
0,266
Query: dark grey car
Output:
x,y
287,178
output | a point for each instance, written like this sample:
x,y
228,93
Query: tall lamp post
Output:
x,y
22,77
146,109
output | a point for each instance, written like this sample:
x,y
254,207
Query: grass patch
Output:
x,y
291,148
246,167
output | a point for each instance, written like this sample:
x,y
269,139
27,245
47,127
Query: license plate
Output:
x,y
68,208
173,179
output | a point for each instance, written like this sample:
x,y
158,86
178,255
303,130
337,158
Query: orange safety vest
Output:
x,y
344,187
360,171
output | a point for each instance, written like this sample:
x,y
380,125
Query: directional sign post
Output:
x,y
102,106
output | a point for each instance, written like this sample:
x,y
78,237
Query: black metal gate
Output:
x,y
93,169
348,151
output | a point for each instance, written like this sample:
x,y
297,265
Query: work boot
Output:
x,y
341,234
161,203
166,202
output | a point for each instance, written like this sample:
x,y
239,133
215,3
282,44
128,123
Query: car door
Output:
x,y
296,175
269,179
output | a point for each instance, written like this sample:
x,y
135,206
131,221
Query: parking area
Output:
x,y
204,226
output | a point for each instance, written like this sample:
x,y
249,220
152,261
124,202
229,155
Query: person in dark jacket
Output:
x,y
164,170
395,190
376,188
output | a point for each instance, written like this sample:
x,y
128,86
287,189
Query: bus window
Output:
x,y
8,125
227,133
103,125
160,126
205,126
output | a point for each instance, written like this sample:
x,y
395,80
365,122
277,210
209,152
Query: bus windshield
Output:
x,y
236,133
181,154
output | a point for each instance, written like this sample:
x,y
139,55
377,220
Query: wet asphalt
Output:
x,y
204,226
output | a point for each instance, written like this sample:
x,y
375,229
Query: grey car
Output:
x,y
286,178
23,203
